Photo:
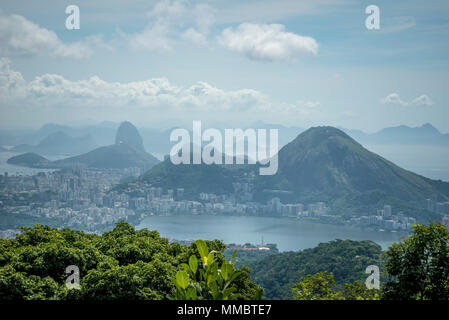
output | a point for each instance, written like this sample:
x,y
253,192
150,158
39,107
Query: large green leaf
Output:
x,y
202,248
182,278
225,271
193,263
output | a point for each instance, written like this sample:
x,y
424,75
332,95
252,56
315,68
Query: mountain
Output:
x,y
325,164
320,164
31,160
423,135
123,154
128,151
116,156
346,260
58,143
127,133
102,133
193,178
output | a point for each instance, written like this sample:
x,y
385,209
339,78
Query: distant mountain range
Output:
x,y
423,135
59,143
320,164
158,141
127,152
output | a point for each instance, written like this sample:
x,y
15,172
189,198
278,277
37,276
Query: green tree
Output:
x,y
418,268
120,264
322,286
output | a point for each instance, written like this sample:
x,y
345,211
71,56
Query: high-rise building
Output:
x,y
387,210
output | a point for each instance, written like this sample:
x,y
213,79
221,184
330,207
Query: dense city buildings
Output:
x,y
89,199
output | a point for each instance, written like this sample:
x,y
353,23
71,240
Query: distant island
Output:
x,y
31,160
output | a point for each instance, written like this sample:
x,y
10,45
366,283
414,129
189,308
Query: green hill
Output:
x,y
31,160
193,178
321,164
118,156
345,259
325,164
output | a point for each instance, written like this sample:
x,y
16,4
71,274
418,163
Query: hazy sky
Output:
x,y
159,63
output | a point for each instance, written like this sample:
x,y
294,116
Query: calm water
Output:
x,y
287,233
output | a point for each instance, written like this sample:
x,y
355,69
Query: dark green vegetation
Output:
x,y
30,159
325,164
419,267
346,260
245,258
322,286
120,264
129,264
12,220
209,279
415,269
193,178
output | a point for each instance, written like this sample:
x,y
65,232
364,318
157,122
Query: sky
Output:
x,y
228,63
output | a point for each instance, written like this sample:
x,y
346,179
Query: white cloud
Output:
x,y
422,100
393,98
194,36
11,82
267,42
19,36
58,93
171,20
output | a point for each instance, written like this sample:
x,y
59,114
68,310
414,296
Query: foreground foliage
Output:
x,y
208,279
322,286
120,264
415,269
418,268
345,259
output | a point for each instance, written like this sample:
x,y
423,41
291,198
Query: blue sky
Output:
x,y
160,63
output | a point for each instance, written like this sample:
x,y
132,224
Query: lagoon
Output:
x,y
290,234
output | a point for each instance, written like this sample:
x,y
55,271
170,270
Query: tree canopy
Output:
x,y
120,264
